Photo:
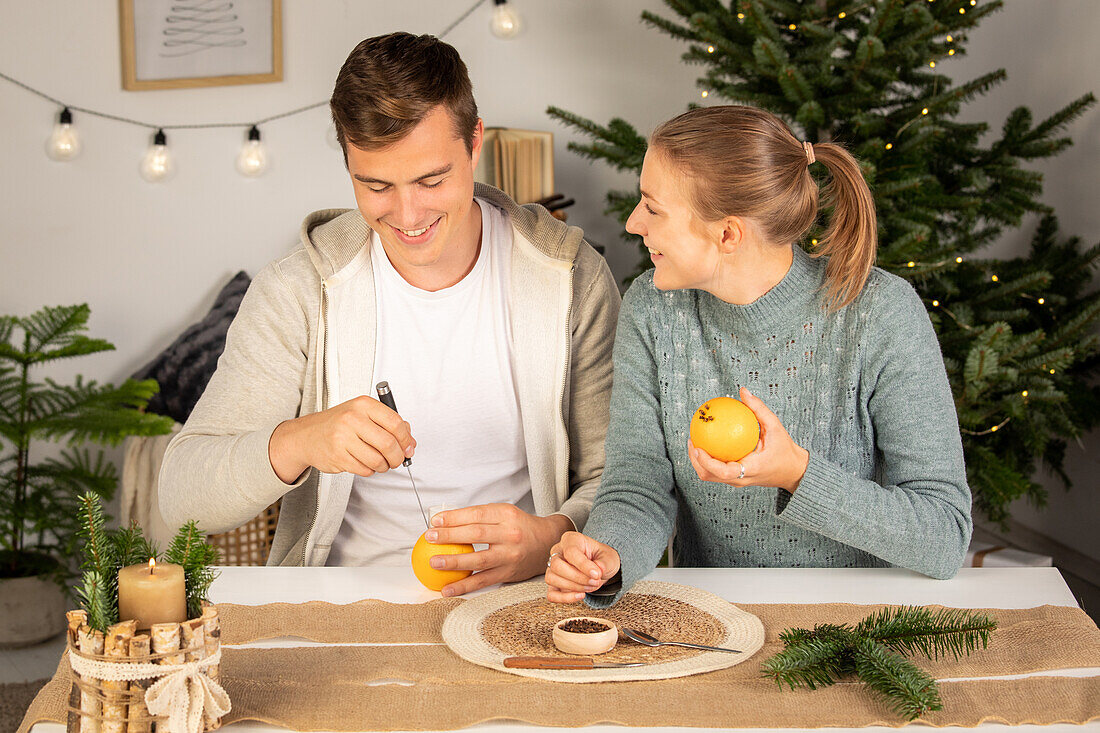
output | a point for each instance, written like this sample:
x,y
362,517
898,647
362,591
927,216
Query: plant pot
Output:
x,y
32,609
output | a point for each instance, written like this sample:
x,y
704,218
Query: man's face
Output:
x,y
418,195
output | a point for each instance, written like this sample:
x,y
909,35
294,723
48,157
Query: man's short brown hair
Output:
x,y
390,83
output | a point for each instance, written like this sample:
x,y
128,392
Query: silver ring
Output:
x,y
552,556
742,474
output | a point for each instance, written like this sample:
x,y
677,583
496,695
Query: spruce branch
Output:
x,y
96,598
872,650
190,550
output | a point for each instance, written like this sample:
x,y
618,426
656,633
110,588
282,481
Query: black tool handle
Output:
x,y
385,396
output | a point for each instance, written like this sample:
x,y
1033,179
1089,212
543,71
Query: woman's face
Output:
x,y
683,248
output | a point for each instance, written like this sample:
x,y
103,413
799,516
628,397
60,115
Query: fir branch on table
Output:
x,y
190,550
872,651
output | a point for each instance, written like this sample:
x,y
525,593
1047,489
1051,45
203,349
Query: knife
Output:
x,y
563,663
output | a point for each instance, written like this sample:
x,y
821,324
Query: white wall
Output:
x,y
149,258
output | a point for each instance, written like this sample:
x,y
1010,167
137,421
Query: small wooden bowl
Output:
x,y
573,642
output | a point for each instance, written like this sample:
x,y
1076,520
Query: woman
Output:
x,y
859,462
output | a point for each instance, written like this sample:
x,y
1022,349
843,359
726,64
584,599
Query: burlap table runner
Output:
x,y
330,688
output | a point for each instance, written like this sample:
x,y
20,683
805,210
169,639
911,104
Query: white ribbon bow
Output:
x,y
186,696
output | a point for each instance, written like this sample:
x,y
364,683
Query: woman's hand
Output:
x,y
776,461
578,565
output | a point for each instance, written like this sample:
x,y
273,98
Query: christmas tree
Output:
x,y
1017,335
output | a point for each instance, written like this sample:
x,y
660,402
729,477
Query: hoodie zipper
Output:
x,y
324,404
565,372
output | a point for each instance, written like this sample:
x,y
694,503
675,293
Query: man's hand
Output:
x,y
578,565
360,436
519,543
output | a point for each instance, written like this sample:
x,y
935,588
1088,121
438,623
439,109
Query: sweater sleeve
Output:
x,y
919,516
635,507
596,308
217,470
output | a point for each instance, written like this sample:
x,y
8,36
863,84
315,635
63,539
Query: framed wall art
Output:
x,y
179,44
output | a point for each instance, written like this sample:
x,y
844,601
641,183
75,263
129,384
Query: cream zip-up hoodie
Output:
x,y
564,307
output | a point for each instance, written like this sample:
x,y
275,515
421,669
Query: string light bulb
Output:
x,y
710,49
951,52
1042,300
506,22
63,143
792,27
993,278
889,146
1024,393
705,94
157,165
1052,371
932,64
950,39
936,303
252,160
924,111
958,260
910,263
962,11
842,15
813,242
740,16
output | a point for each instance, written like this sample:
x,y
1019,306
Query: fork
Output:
x,y
643,638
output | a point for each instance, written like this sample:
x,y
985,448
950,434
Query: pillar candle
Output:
x,y
152,593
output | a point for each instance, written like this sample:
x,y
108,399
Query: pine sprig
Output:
x,y
933,633
190,550
96,599
131,546
908,690
872,650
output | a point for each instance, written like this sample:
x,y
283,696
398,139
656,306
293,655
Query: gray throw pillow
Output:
x,y
184,368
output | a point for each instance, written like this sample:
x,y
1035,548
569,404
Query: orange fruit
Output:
x,y
424,551
725,428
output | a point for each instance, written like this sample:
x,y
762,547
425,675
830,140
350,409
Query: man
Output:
x,y
492,323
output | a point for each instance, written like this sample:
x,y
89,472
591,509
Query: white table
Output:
x,y
971,588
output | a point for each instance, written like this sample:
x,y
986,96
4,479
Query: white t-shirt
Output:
x,y
447,356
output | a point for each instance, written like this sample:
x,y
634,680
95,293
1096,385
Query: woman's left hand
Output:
x,y
776,461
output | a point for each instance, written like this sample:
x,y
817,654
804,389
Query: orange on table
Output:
x,y
725,428
423,551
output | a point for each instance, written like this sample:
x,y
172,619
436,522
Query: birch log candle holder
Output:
x,y
126,680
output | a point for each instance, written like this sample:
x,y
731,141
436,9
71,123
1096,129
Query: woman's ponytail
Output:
x,y
851,238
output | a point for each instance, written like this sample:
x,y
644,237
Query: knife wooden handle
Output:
x,y
548,663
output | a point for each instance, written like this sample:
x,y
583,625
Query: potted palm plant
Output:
x,y
39,493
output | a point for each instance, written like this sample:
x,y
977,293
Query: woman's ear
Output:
x,y
733,234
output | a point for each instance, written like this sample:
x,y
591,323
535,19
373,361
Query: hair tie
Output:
x,y
809,148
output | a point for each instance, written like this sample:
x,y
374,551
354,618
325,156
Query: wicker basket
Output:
x,y
250,543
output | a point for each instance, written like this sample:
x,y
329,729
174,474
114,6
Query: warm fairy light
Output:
x,y
910,263
1042,300
740,16
1052,371
813,242
152,565
1024,393
842,15
973,2
994,278
792,27
705,94
962,11
994,428
710,49
924,111
936,303
950,39
889,146
951,52
932,64
958,259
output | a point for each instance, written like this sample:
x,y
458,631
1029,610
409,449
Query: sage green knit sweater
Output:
x,y
863,389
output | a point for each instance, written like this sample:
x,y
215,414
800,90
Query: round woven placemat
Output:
x,y
517,621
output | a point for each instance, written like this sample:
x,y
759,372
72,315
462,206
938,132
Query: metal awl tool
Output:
x,y
385,396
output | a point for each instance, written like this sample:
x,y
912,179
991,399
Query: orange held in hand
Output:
x,y
423,551
725,428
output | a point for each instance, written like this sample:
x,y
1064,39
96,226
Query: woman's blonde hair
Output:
x,y
743,161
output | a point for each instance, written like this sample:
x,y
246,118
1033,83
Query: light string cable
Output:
x,y
207,125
